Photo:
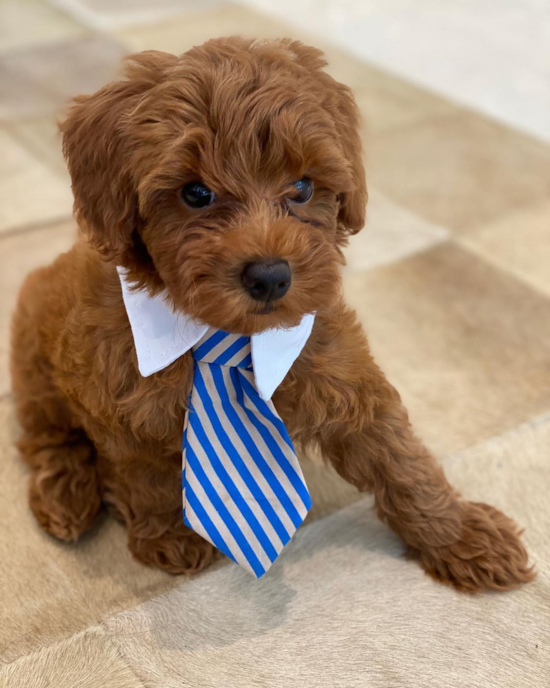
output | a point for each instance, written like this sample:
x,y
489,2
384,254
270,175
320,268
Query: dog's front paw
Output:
x,y
176,551
64,497
488,556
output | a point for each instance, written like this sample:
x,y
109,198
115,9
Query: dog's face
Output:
x,y
229,176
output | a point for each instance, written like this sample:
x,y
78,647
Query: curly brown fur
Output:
x,y
247,118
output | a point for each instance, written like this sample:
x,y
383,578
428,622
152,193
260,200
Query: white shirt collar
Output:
x,y
162,335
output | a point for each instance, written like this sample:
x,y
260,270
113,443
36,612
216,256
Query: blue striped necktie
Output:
x,y
243,489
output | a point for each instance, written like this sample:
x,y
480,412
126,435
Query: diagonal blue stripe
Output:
x,y
209,344
268,438
238,462
264,410
213,533
224,514
185,429
232,350
232,489
246,362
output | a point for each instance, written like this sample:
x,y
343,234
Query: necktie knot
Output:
x,y
224,348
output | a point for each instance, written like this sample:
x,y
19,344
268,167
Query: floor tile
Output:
x,y
113,14
20,253
41,80
21,95
42,137
391,233
464,343
519,243
86,660
387,102
26,22
460,172
29,191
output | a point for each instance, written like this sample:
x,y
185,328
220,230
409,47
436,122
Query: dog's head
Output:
x,y
230,176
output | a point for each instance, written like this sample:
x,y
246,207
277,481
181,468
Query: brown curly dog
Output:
x,y
266,147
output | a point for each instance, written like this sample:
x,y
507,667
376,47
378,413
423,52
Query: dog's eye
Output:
x,y
197,195
302,190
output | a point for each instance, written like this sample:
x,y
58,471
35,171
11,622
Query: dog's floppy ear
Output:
x,y
352,203
97,144
339,102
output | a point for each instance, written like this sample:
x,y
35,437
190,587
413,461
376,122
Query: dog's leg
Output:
x,y
147,496
63,484
473,546
363,429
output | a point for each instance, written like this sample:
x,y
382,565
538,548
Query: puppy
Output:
x,y
190,169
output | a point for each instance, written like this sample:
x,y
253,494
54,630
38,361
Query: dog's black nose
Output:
x,y
268,280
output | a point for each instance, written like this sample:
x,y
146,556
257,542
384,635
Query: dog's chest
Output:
x,y
161,400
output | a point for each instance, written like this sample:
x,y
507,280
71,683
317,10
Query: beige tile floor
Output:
x,y
451,281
